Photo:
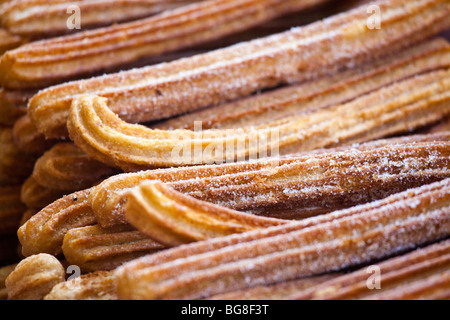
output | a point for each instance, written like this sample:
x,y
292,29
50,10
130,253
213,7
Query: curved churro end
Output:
x,y
34,277
102,134
45,231
66,167
98,285
94,248
172,218
314,246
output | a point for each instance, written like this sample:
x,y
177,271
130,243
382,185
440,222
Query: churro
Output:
x,y
52,61
44,18
94,248
402,277
300,249
276,291
45,231
294,186
171,218
165,90
98,285
321,93
403,106
66,167
34,277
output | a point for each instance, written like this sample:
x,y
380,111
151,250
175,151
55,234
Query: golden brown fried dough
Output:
x,y
398,108
292,187
313,246
45,231
301,54
43,18
172,218
34,277
66,167
44,63
94,248
98,285
421,274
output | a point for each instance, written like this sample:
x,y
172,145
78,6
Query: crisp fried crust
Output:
x,y
322,93
49,62
165,90
98,285
66,167
15,165
11,210
423,99
43,18
294,186
172,218
45,231
276,291
34,277
94,248
421,274
313,246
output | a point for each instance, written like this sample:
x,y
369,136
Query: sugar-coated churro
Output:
x,y
98,285
165,90
295,186
94,248
66,167
313,246
422,100
44,18
171,218
45,231
421,274
47,62
321,93
34,277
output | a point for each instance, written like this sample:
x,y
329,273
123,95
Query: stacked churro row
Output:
x,y
38,18
44,63
184,85
251,195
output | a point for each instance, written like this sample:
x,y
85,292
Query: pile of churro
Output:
x,y
224,149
